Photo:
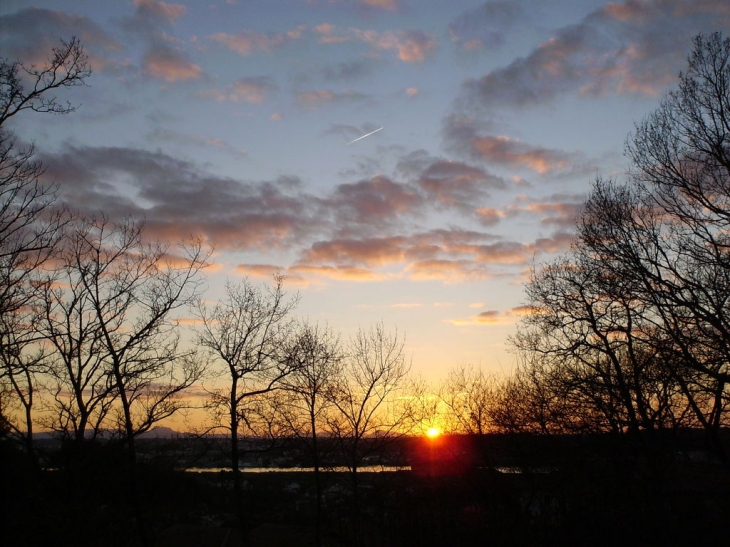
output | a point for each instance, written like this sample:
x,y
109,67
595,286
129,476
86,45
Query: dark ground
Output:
x,y
570,492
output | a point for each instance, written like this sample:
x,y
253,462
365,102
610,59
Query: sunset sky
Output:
x,y
231,120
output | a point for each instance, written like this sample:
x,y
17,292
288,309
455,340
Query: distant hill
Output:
x,y
159,432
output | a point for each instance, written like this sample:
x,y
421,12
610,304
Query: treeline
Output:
x,y
630,330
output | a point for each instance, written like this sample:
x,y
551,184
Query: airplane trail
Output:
x,y
357,139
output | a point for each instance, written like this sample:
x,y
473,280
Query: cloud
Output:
x,y
248,42
258,270
446,270
327,34
410,46
29,35
254,89
162,10
373,203
390,5
322,97
487,26
512,153
489,317
632,47
457,185
521,311
165,63
159,134
339,273
504,252
562,214
228,213
489,216
463,135
445,255
364,252
348,71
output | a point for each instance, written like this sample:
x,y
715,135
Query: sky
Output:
x,y
234,120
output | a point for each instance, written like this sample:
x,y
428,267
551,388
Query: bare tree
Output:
x,y
28,228
370,412
469,395
315,356
636,319
246,333
111,321
22,363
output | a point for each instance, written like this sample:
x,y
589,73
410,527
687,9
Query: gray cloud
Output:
x,y
632,47
29,34
487,26
179,199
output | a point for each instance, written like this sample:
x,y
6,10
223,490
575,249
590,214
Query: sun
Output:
x,y
433,432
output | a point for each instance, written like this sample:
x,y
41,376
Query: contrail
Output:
x,y
357,139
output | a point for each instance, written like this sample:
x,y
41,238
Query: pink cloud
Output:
x,y
321,97
634,47
412,46
253,90
248,42
504,252
327,34
390,5
371,252
378,199
164,10
169,65
458,185
562,214
488,216
506,151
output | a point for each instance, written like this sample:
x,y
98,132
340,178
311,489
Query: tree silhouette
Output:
x,y
29,228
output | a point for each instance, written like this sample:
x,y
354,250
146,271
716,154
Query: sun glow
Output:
x,y
433,432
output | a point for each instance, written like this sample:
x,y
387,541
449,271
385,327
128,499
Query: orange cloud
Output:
x,y
521,311
489,317
257,270
340,273
445,270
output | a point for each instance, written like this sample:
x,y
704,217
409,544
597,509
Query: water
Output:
x,y
363,469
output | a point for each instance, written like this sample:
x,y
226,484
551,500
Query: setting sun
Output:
x,y
433,432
